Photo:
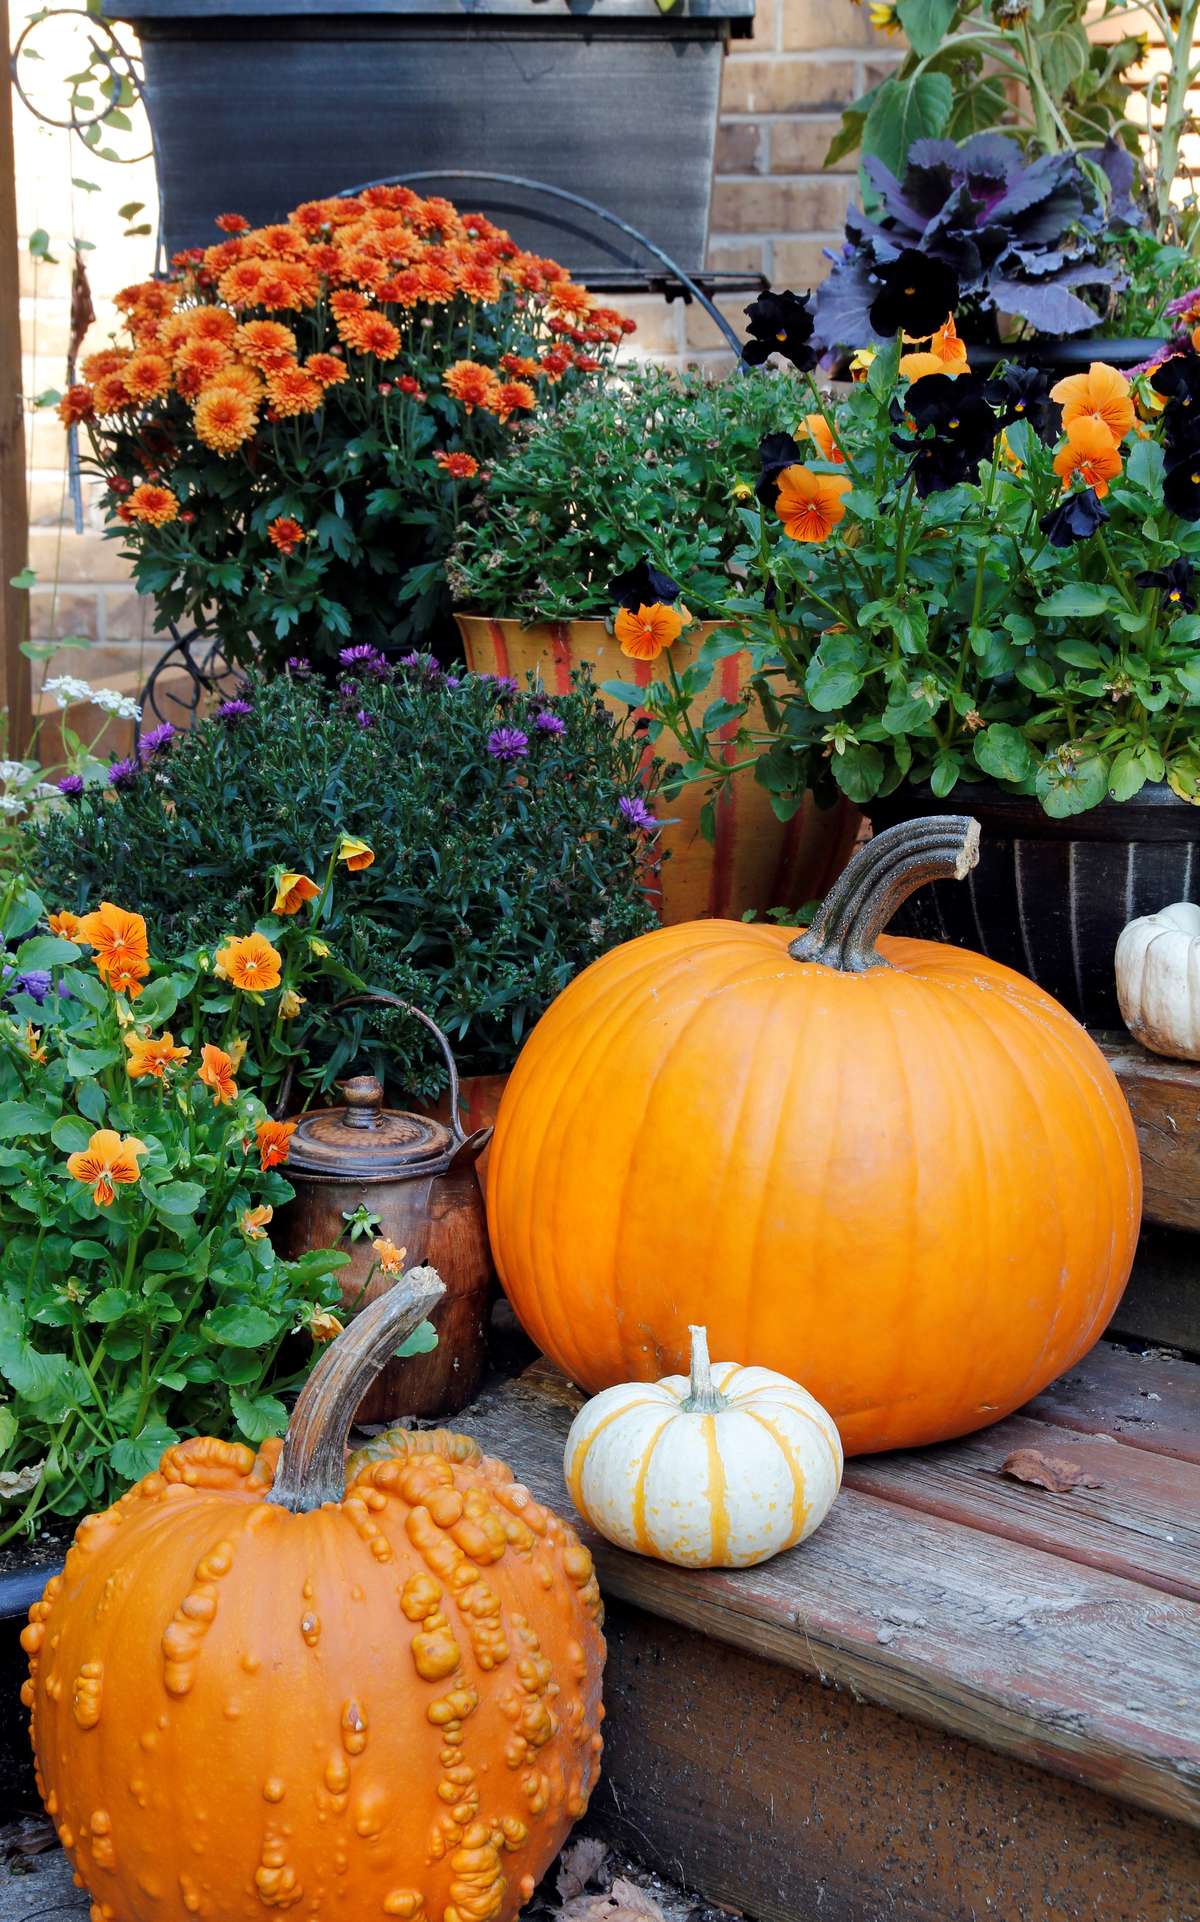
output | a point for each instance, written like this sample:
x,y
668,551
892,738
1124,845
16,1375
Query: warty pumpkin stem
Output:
x,y
883,873
312,1467
703,1397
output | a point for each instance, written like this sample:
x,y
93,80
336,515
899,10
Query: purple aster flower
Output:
x,y
507,744
636,814
122,773
502,683
298,667
364,659
364,719
157,741
70,784
234,710
453,680
550,723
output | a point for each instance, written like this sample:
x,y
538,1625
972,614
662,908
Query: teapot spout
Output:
x,y
470,1149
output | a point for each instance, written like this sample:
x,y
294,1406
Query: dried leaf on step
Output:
x,y
625,1902
1048,1471
20,1481
581,1862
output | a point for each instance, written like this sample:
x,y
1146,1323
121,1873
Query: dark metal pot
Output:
x,y
418,1176
21,1582
1073,355
1049,898
256,105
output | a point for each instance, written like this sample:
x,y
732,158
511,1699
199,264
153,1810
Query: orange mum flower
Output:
x,y
346,304
203,359
569,299
373,334
514,395
818,429
236,379
1102,394
520,366
292,392
287,283
292,890
355,853
473,385
109,396
274,1142
287,534
409,286
225,418
329,369
250,963
147,376
206,323
121,952
479,282
106,1162
1090,452
233,223
279,239
644,635
65,925
109,360
239,285
436,283
810,505
76,404
152,1055
216,1072
458,466
152,504
265,343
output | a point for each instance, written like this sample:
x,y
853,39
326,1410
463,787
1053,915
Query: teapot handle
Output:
x,y
407,1007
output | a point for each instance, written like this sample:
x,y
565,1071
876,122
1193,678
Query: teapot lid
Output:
x,y
364,1141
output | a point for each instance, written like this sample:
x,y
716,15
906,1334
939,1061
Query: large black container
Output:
x,y
1049,898
257,105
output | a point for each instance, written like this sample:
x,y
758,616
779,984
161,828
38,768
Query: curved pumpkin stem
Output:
x,y
884,872
703,1396
312,1466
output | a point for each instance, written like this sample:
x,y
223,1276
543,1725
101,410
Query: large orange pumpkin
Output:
x,y
251,1692
894,1171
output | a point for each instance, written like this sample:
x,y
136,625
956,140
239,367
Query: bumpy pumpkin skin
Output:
x,y
914,1189
385,1708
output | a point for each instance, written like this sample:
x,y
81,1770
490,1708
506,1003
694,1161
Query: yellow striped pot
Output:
x,y
756,860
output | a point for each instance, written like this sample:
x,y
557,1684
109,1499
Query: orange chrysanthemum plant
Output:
x,y
294,418
144,1157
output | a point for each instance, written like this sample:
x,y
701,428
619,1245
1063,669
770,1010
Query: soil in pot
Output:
x,y
1049,898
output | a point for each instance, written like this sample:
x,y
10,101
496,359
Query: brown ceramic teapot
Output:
x,y
418,1177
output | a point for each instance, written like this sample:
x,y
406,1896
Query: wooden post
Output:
x,y
14,512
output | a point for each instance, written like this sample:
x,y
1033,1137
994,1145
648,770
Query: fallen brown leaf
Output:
x,y
1047,1471
581,1862
625,1902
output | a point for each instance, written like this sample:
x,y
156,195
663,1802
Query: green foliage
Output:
x,y
133,1315
1155,274
653,468
945,640
494,882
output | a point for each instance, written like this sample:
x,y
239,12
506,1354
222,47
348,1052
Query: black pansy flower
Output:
x,y
936,464
1176,583
775,451
1023,393
917,294
1178,381
1076,517
643,586
964,431
780,324
1181,483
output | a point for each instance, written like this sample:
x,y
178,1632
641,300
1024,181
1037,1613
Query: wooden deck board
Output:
x,y
1085,1673
1164,1100
1146,1399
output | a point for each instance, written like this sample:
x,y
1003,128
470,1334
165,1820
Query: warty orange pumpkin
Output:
x,y
252,1691
890,1169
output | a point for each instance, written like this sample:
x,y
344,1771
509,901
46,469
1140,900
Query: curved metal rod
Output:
x,y
593,207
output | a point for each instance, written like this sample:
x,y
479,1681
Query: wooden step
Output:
x,y
1164,1099
1019,1673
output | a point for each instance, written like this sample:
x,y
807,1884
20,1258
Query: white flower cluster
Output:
x,y
67,688
14,772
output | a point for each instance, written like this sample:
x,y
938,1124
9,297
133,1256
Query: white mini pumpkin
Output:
x,y
719,1471
1158,980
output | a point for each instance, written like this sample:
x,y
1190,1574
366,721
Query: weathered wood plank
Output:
x,y
799,1803
1145,1398
1090,1675
14,519
1164,1099
1143,1522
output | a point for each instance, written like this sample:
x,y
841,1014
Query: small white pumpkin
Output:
x,y
1158,980
719,1471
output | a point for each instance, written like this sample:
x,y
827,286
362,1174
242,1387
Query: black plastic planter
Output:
x,y
257,105
1072,355
21,1582
1049,898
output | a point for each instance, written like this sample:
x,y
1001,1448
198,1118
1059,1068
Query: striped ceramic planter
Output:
x,y
756,861
1050,898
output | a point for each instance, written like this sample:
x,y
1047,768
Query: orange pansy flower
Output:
x,y
818,429
810,505
1102,394
119,940
644,635
274,1142
916,366
389,1257
1090,452
255,1221
153,1055
216,1072
250,962
355,853
107,1162
292,890
946,347
65,925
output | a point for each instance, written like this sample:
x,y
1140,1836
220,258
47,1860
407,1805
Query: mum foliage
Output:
x,y
287,429
502,861
651,465
140,1297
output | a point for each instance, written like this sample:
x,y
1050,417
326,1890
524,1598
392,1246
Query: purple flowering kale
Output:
x,y
636,814
507,744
